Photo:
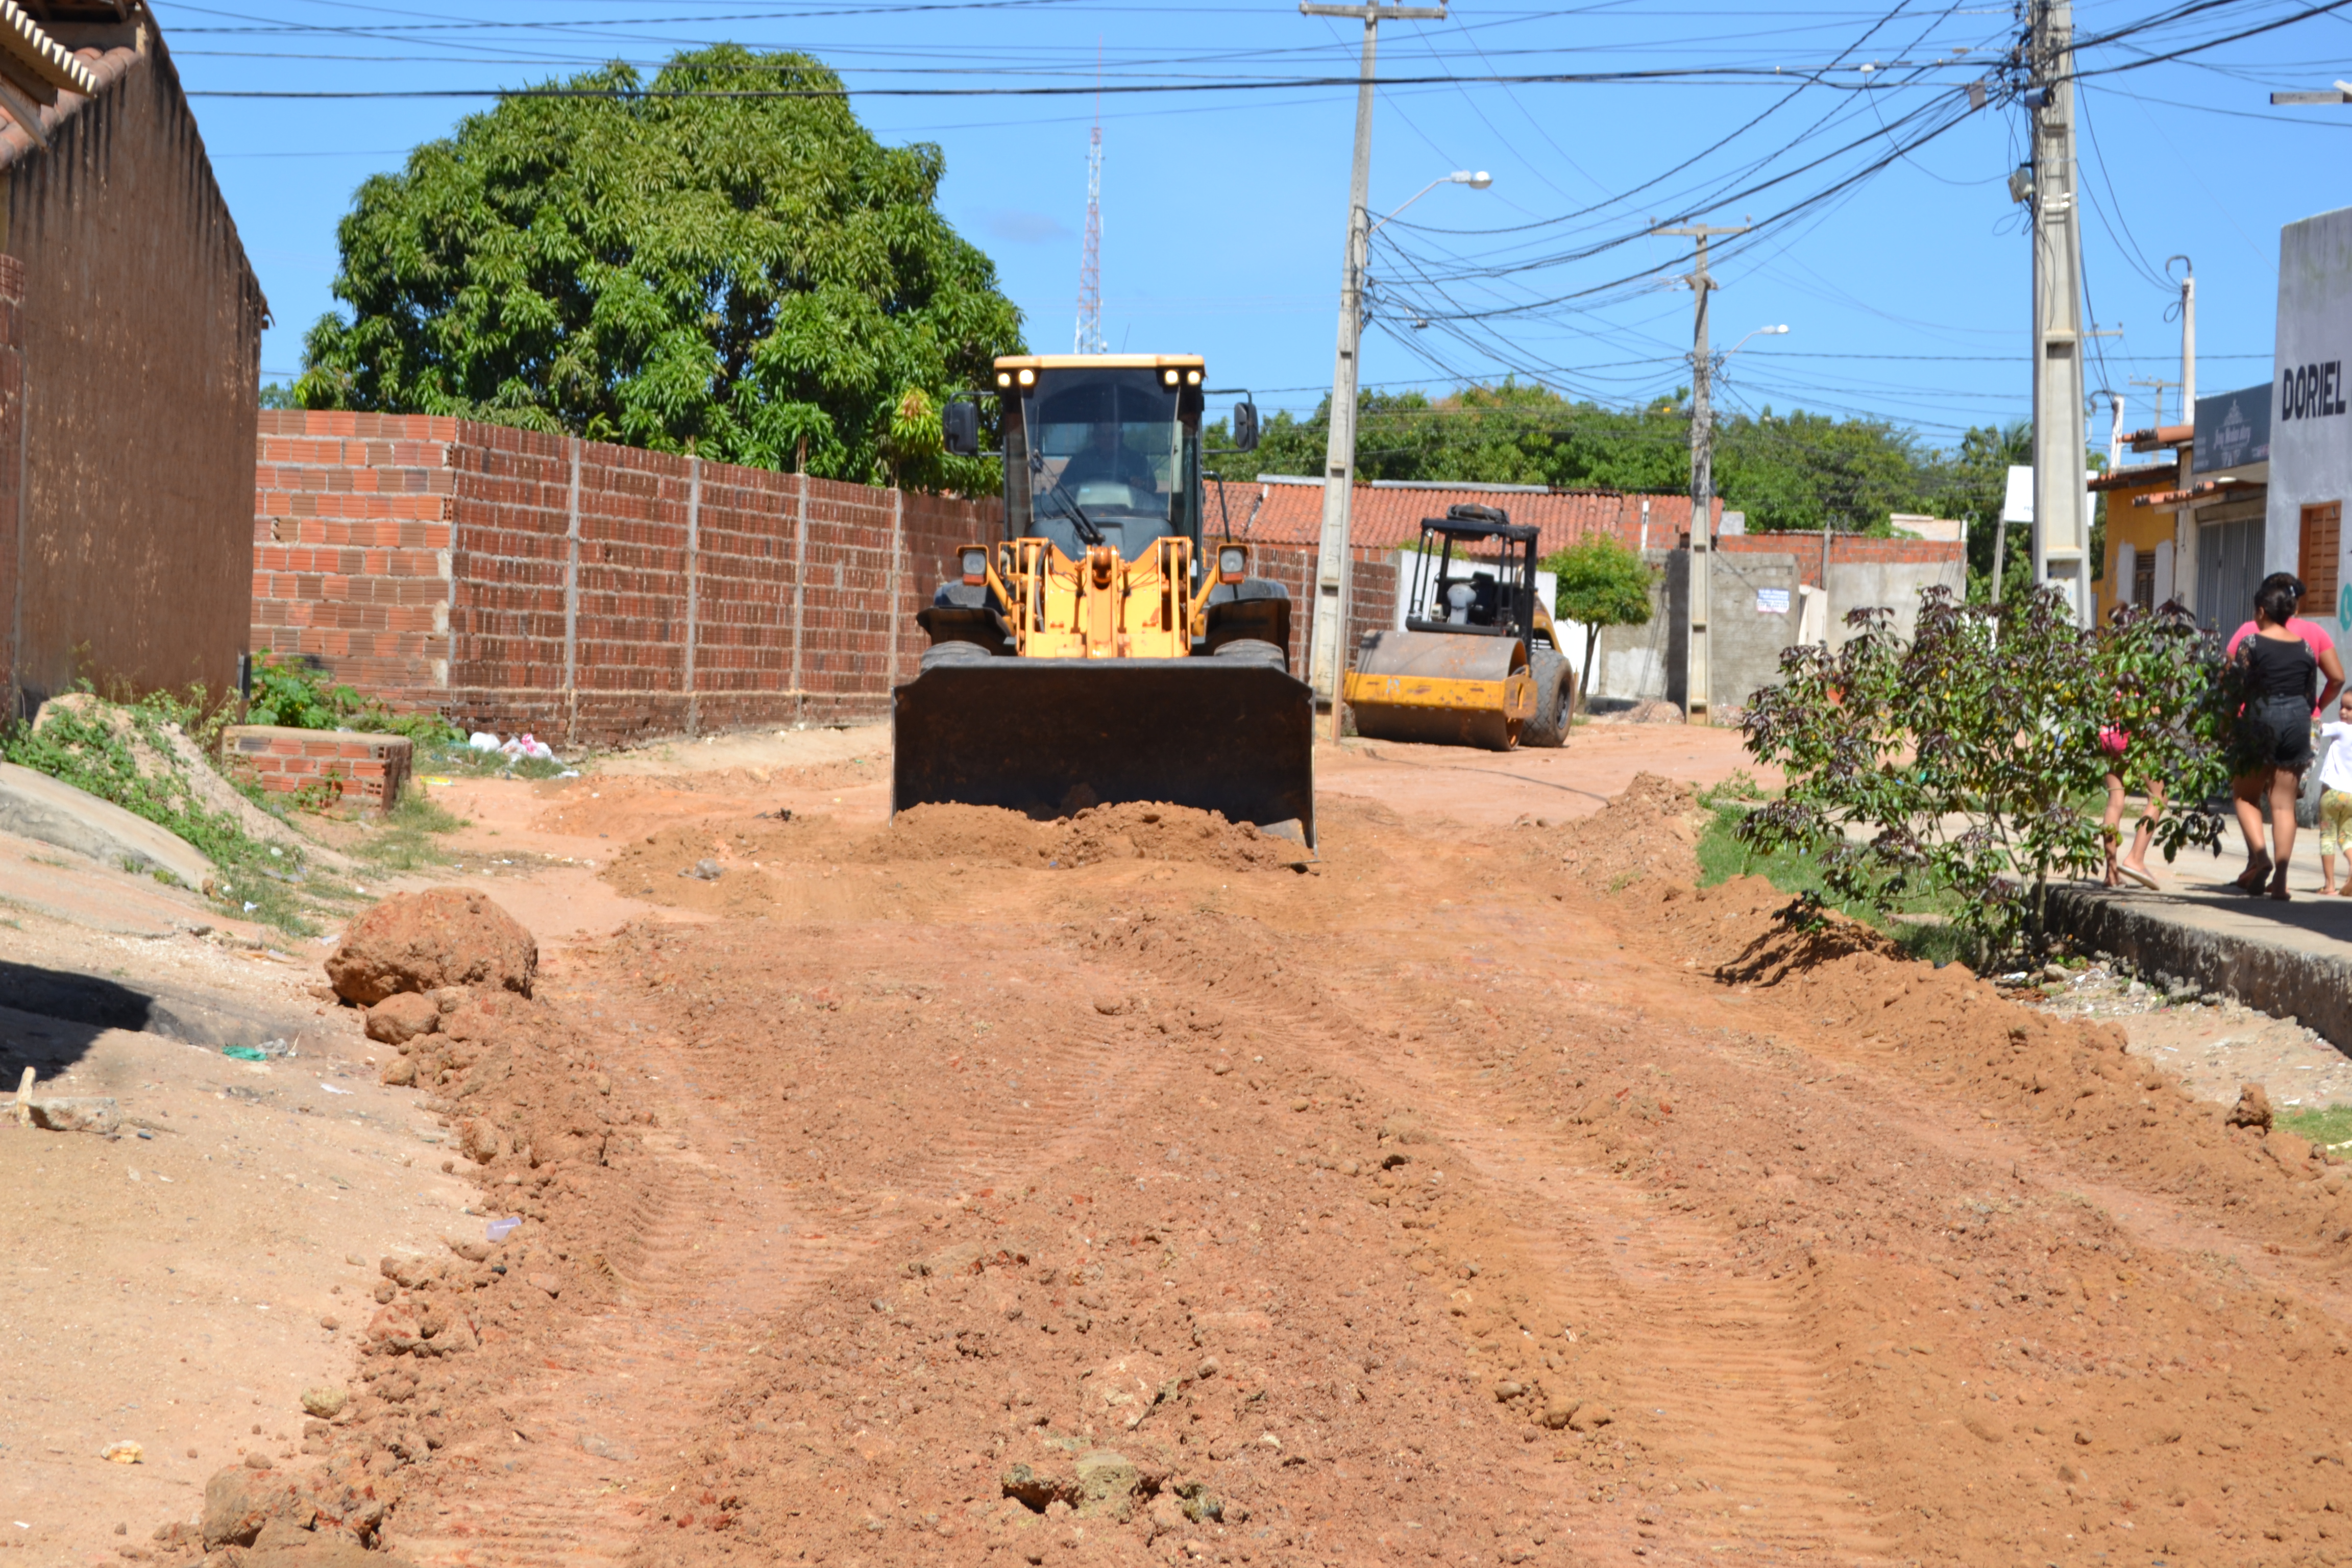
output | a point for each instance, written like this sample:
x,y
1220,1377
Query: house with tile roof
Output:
x,y
130,361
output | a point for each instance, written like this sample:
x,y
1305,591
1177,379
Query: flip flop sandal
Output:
x,y
2142,877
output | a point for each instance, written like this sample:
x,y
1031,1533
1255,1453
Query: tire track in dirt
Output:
x,y
1716,1362
631,1390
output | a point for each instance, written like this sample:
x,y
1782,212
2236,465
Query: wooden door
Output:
x,y
2315,558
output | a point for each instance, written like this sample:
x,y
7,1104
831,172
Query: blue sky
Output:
x,y
1906,289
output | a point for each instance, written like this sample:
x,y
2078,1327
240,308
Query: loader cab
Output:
x,y
1475,574
1101,445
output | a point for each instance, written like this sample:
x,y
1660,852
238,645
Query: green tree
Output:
x,y
743,277
1601,583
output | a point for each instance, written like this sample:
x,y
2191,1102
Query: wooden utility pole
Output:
x,y
1696,678
1328,654
2060,497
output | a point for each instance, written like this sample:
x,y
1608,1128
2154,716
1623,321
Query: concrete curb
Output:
x,y
2160,937
35,805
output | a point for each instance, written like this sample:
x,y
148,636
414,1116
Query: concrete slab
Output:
x,y
2290,959
35,805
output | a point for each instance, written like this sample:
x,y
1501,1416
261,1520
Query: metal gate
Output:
x,y
2228,570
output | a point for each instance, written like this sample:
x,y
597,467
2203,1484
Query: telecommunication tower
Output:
x,y
1089,337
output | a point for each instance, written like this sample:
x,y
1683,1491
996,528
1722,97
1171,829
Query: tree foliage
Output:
x,y
1600,583
1787,472
736,276
1968,761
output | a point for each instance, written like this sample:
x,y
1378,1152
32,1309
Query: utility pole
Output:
x,y
1695,680
1328,654
2156,385
2060,500
2188,336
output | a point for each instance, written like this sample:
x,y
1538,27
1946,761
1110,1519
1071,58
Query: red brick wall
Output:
x,y
1372,592
1852,549
356,773
585,592
351,548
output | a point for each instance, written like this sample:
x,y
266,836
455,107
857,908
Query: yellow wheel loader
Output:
x,y
1108,648
1477,663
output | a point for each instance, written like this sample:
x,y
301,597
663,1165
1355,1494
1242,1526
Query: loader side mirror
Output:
x,y
960,428
1244,427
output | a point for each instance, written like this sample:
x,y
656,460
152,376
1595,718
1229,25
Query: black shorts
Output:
x,y
2276,732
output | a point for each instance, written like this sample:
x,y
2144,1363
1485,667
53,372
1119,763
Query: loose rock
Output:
x,y
424,942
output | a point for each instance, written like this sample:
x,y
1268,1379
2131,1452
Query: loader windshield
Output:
x,y
1106,452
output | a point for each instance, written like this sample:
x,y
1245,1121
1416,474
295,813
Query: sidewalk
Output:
x,y
2290,959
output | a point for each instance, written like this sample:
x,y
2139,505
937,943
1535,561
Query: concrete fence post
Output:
x,y
571,604
800,591
693,588
897,581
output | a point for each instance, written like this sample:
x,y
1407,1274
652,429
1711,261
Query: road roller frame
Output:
x,y
1488,671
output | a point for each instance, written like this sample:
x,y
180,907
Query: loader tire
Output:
x,y
1254,650
945,653
1555,699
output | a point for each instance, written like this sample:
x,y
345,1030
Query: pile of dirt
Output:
x,y
1134,831
1651,830
414,943
537,1124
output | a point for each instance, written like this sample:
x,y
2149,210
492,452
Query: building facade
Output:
x,y
130,361
2310,467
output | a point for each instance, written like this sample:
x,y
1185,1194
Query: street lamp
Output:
x,y
1476,182
1759,333
1332,563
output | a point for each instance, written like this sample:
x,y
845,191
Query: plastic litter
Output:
x,y
530,747
482,740
330,1089
569,773
246,1053
499,1229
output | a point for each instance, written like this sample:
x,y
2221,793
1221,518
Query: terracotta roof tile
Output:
x,y
1384,516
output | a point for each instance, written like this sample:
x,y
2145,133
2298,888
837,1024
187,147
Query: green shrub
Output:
x,y
292,694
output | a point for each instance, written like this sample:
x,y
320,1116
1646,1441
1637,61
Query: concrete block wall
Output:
x,y
585,592
351,533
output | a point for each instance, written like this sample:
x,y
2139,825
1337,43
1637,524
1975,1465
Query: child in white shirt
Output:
x,y
2336,799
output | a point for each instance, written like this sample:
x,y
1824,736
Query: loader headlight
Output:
x,y
1168,376
1233,562
1028,378
975,566
1004,378
1191,378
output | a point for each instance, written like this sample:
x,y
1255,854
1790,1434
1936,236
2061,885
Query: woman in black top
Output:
x,y
2281,681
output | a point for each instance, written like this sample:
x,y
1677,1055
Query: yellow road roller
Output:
x,y
1477,663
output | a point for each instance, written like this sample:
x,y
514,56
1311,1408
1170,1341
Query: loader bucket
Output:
x,y
1047,737
1453,688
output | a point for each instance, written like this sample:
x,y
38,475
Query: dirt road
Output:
x,y
973,1191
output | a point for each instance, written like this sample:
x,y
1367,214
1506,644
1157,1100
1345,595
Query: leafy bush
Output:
x,y
292,694
1966,762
